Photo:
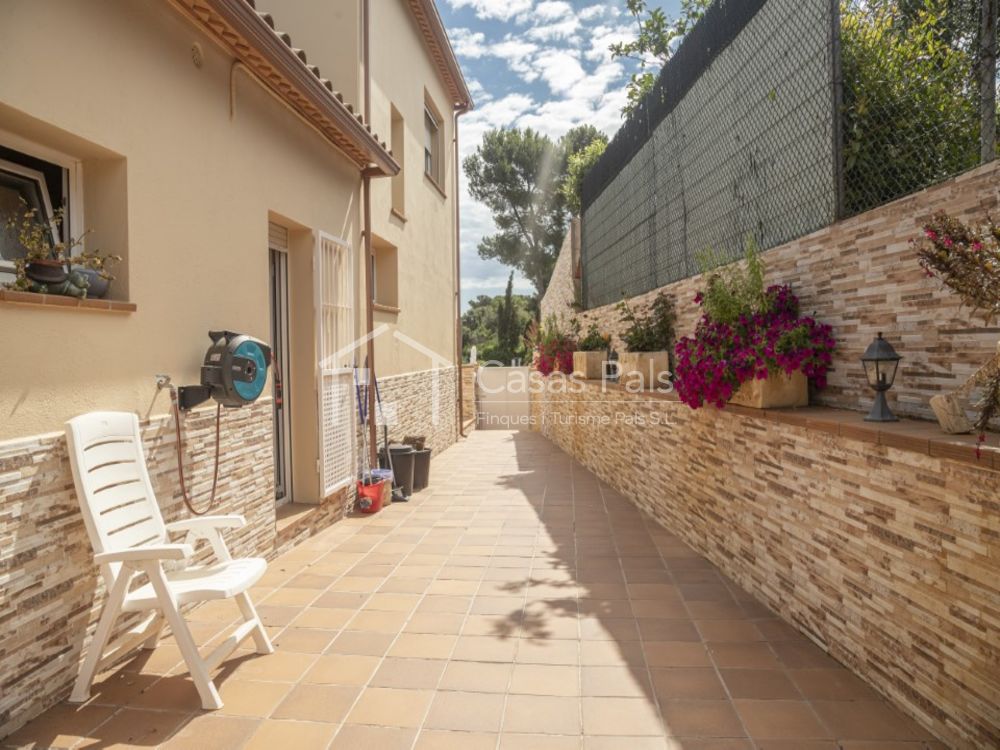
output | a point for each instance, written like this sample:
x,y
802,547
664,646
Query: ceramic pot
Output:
x,y
98,284
46,271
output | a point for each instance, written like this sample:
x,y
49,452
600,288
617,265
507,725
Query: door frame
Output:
x,y
279,314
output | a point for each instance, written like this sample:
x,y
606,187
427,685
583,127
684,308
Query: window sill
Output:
x,y
385,308
55,301
437,187
398,215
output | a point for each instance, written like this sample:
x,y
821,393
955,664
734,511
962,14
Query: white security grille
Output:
x,y
334,333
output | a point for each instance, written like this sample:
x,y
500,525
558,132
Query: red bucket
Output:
x,y
370,497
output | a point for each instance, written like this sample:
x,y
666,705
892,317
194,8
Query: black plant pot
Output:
x,y
46,271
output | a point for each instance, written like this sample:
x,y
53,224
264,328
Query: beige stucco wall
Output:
x,y
401,72
201,188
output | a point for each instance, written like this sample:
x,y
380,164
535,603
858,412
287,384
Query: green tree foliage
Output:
x,y
518,174
657,37
910,109
496,325
579,164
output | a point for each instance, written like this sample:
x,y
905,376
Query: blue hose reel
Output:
x,y
234,372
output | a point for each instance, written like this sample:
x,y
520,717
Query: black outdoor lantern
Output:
x,y
880,361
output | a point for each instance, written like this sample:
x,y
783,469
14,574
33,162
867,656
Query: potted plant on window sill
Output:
x,y
591,353
751,346
48,266
647,339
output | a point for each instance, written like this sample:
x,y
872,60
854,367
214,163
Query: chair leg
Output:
x,y
112,608
210,699
250,614
154,634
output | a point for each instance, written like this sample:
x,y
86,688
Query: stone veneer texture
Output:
x,y
888,559
52,593
417,412
861,276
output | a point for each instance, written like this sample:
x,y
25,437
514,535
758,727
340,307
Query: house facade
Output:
x,y
225,152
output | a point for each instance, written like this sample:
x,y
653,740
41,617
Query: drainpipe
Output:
x,y
460,110
367,199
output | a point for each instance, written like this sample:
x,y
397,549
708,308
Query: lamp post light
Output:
x,y
880,361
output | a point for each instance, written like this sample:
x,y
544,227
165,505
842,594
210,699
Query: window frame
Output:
x,y
72,183
433,158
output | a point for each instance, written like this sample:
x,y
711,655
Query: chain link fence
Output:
x,y
777,117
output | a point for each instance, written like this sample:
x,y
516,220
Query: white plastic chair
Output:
x,y
131,541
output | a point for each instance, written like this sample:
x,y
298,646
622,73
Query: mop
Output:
x,y
397,489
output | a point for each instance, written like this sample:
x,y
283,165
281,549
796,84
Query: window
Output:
x,y
385,273
397,145
41,185
432,143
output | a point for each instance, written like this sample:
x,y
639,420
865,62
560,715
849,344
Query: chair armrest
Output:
x,y
152,552
206,523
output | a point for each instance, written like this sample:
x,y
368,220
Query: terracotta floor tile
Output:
x,y
341,669
439,739
485,648
539,742
760,684
631,743
540,651
251,698
450,604
676,654
668,630
290,597
608,716
326,703
423,645
532,714
409,673
323,618
277,667
213,731
802,655
670,608
620,682
701,719
304,640
467,712
291,734
611,654
866,720
831,685
359,643
728,631
743,656
687,683
545,679
387,602
619,629
434,623
277,616
60,727
484,677
374,621
391,707
791,720
132,727
169,694
340,600
360,737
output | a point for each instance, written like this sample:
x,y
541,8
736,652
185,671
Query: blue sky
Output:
x,y
542,64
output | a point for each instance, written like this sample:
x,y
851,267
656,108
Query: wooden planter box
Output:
x,y
651,369
775,392
589,365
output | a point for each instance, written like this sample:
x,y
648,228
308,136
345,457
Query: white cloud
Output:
x,y
518,55
560,69
501,10
468,43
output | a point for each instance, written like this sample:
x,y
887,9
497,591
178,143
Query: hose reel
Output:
x,y
234,372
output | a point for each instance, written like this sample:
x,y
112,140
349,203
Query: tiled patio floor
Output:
x,y
516,604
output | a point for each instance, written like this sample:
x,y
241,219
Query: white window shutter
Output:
x,y
334,296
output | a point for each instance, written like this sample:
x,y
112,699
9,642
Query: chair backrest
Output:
x,y
112,483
